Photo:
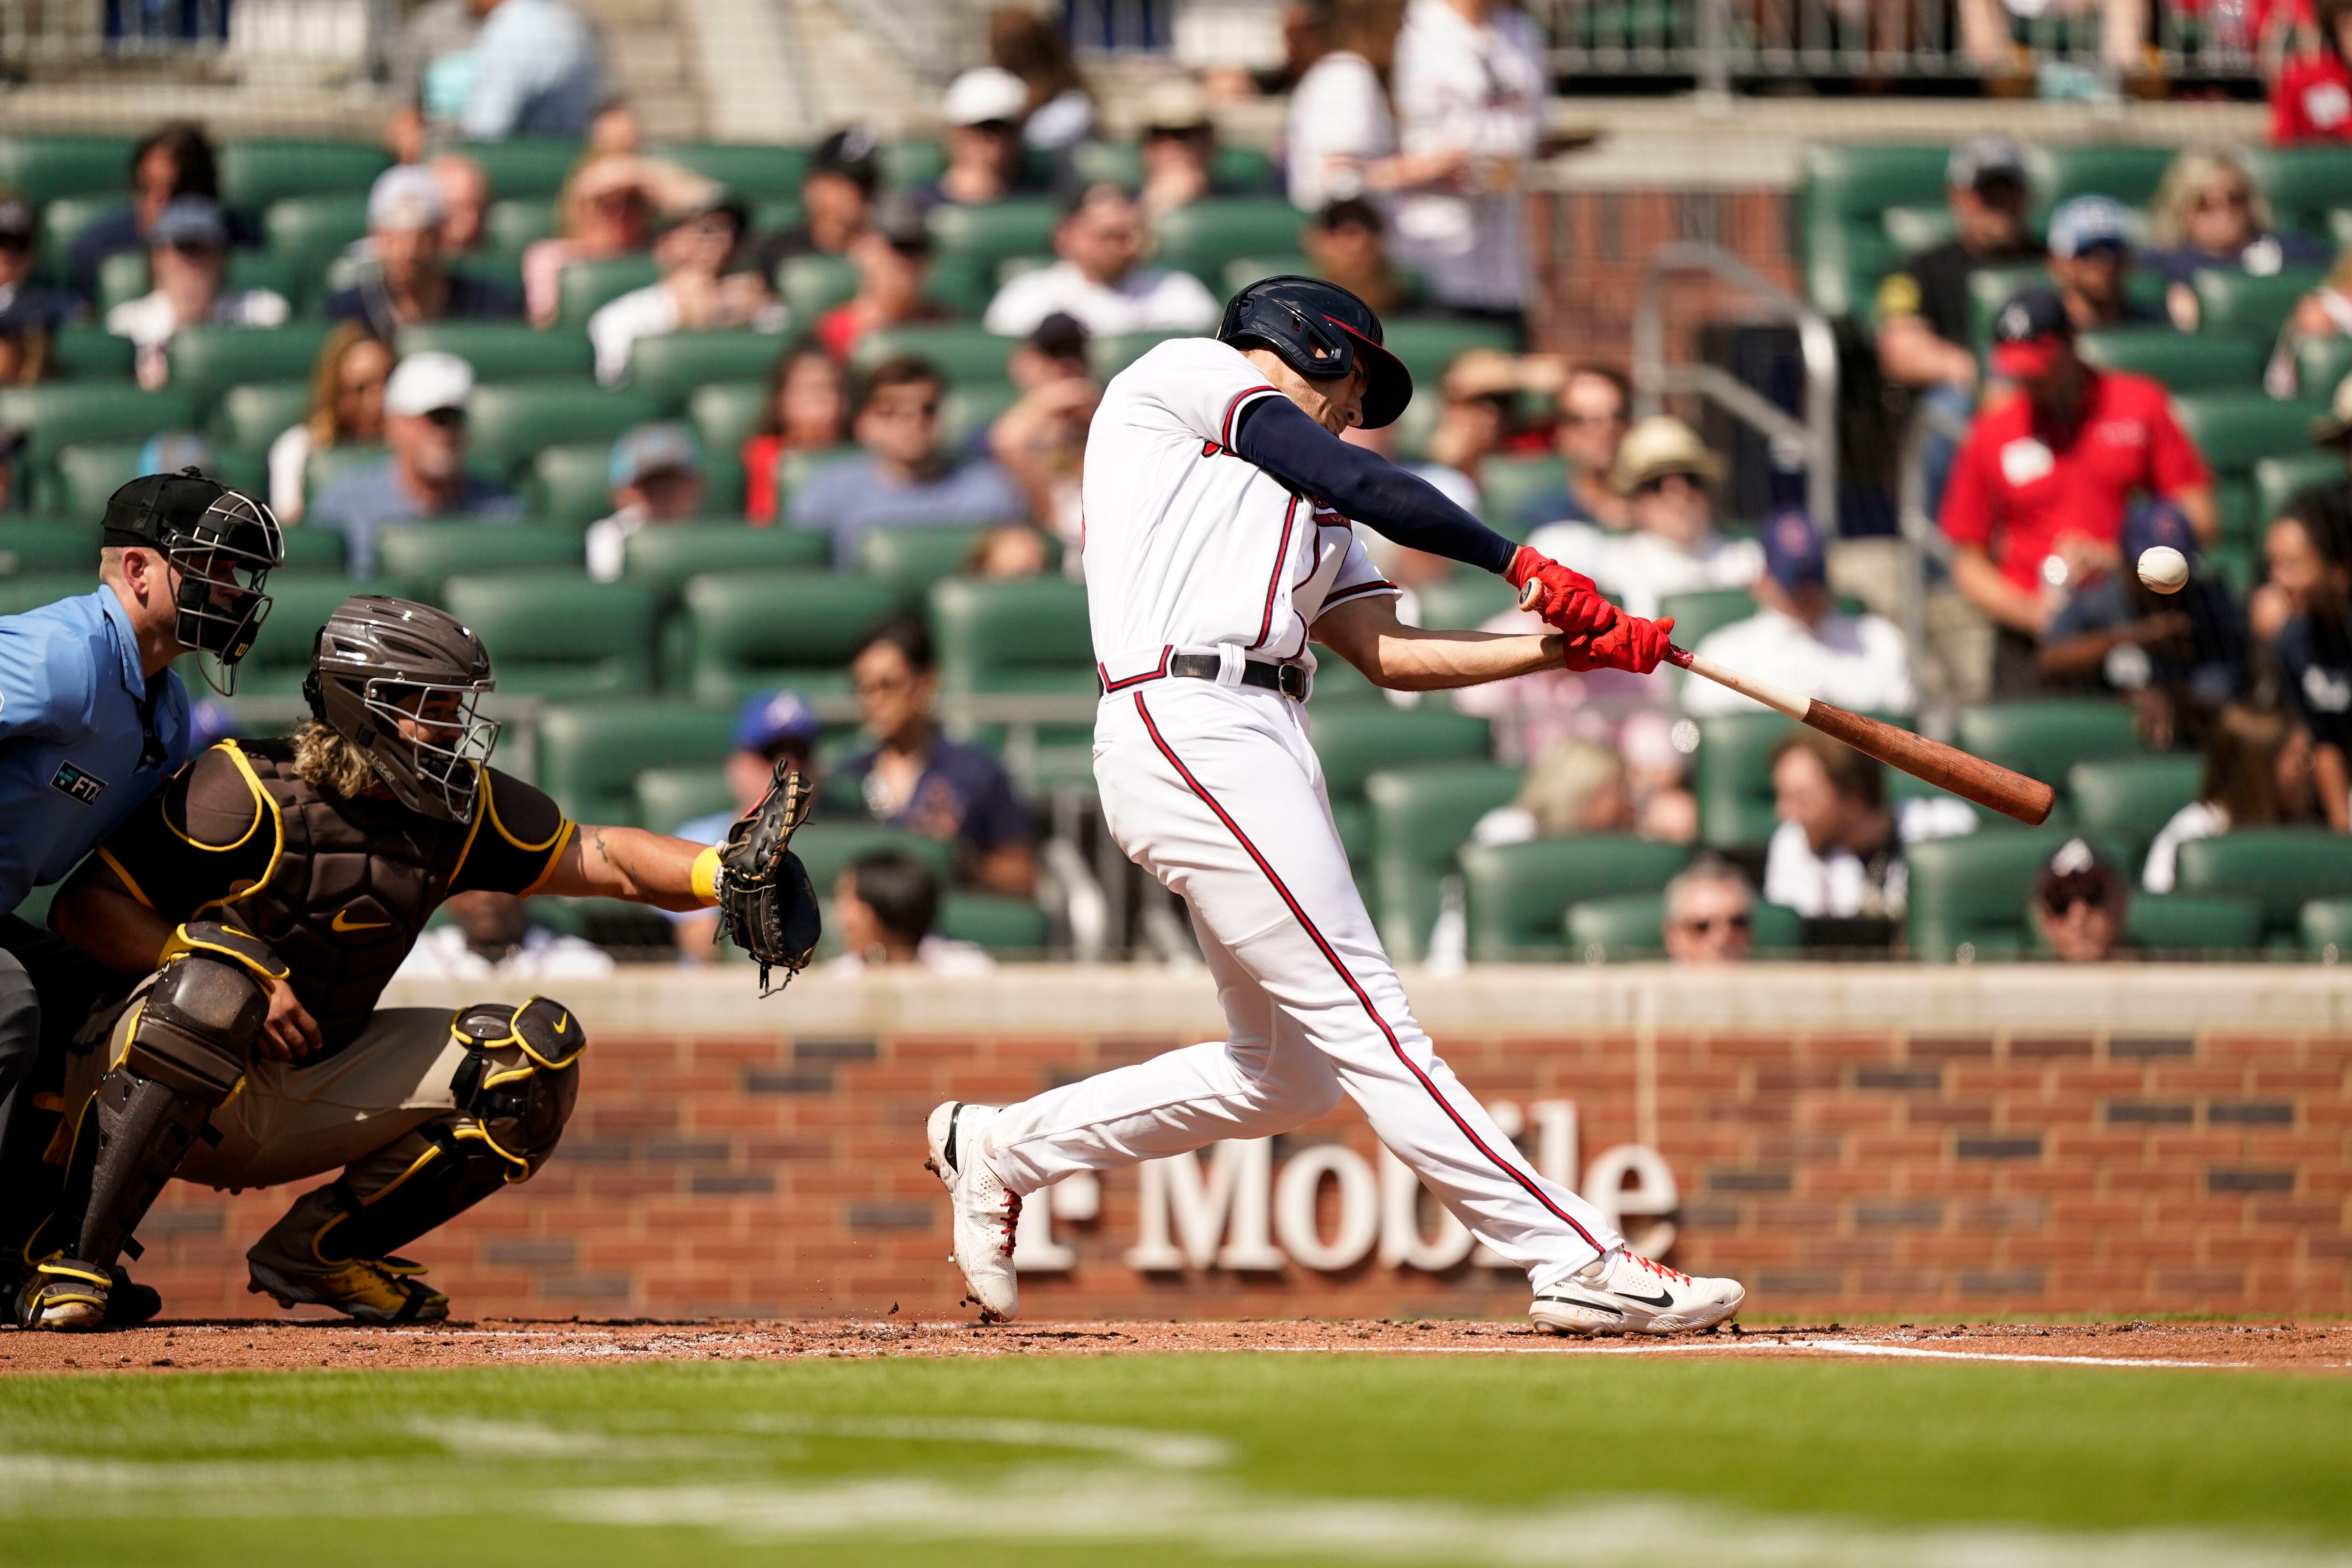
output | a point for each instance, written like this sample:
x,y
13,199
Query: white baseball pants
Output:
x,y
1215,791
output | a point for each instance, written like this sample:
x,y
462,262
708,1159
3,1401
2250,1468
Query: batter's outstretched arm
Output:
x,y
1366,634
1277,437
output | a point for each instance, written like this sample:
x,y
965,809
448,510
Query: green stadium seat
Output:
x,y
85,351
2321,364
490,266
826,849
2302,182
525,165
1107,357
2326,926
511,226
1338,683
666,558
671,796
1968,895
513,420
57,413
1007,927
2185,361
750,631
253,174
56,544
960,352
1629,927
1419,816
812,285
2278,480
256,413
559,636
87,472
65,220
1915,229
1732,777
585,286
505,350
913,162
1465,600
1201,237
668,368
2043,738
726,413
2124,171
748,169
571,482
2198,925
1506,486
1844,192
1427,347
1705,610
912,559
2282,869
318,550
207,360
1016,635
309,231
589,753
300,601
31,590
44,167
1018,225
1519,895
1243,270
1355,741
771,214
422,556
2242,302
2129,799
971,408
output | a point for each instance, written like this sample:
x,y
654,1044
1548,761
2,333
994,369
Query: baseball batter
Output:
x,y
1218,500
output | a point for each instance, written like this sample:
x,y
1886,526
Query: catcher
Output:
x,y
272,890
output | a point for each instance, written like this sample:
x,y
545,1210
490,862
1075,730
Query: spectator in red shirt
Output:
x,y
2313,99
808,410
894,266
2036,501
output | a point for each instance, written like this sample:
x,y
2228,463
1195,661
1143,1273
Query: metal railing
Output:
x,y
45,31
1813,439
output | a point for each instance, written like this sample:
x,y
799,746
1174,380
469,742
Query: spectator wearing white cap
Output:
x,y
406,281
701,286
984,109
425,477
656,477
1101,282
1670,544
187,255
1800,640
2091,260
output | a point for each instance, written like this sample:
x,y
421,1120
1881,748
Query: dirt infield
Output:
x,y
267,1345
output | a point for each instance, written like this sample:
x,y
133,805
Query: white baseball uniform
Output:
x,y
1213,787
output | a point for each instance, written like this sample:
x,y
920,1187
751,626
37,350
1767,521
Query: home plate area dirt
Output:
x,y
263,1344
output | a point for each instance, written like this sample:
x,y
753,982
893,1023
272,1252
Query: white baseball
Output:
x,y
2163,568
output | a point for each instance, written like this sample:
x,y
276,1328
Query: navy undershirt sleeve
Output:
x,y
1274,434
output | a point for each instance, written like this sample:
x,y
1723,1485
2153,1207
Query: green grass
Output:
x,y
1302,1459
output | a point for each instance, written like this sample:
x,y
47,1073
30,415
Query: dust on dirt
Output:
x,y
262,1344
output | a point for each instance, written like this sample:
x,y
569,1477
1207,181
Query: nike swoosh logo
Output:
x,y
342,921
1662,1298
1587,1305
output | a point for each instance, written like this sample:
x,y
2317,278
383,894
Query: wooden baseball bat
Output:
x,y
1947,767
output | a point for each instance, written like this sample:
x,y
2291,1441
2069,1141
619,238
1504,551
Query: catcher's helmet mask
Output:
x,y
1321,331
401,682
223,543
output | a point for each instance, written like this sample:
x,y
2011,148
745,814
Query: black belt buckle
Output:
x,y
1290,679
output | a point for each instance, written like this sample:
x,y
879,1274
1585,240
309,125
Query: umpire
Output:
x,y
92,719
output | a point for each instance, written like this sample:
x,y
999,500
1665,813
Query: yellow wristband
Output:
x,y
704,876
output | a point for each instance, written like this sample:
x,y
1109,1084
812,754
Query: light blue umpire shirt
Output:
x,y
80,746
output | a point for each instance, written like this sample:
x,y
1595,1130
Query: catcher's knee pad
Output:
x,y
183,1049
520,1081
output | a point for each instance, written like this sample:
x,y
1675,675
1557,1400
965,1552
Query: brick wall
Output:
x,y
1953,1171
1589,248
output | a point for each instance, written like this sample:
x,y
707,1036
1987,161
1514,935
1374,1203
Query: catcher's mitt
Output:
x,y
766,906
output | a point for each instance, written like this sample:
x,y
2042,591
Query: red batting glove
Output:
x,y
1570,603
1631,643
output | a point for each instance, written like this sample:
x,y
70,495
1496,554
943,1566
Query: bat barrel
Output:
x,y
1990,784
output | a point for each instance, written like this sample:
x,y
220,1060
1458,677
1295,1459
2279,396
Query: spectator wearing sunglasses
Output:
x,y
22,300
1595,408
2209,213
188,259
2080,901
1710,914
904,477
425,477
2090,264
1669,546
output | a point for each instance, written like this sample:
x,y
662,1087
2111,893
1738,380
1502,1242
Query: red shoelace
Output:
x,y
1658,1268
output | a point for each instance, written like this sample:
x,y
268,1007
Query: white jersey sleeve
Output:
x,y
1201,385
1355,577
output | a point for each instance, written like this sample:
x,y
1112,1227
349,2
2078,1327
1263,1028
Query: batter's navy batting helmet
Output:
x,y
1319,329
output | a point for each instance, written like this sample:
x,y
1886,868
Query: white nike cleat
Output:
x,y
1625,1293
986,1212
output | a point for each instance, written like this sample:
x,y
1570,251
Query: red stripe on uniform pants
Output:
x,y
1331,957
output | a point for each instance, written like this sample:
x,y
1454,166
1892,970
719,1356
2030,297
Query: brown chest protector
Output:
x,y
348,893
